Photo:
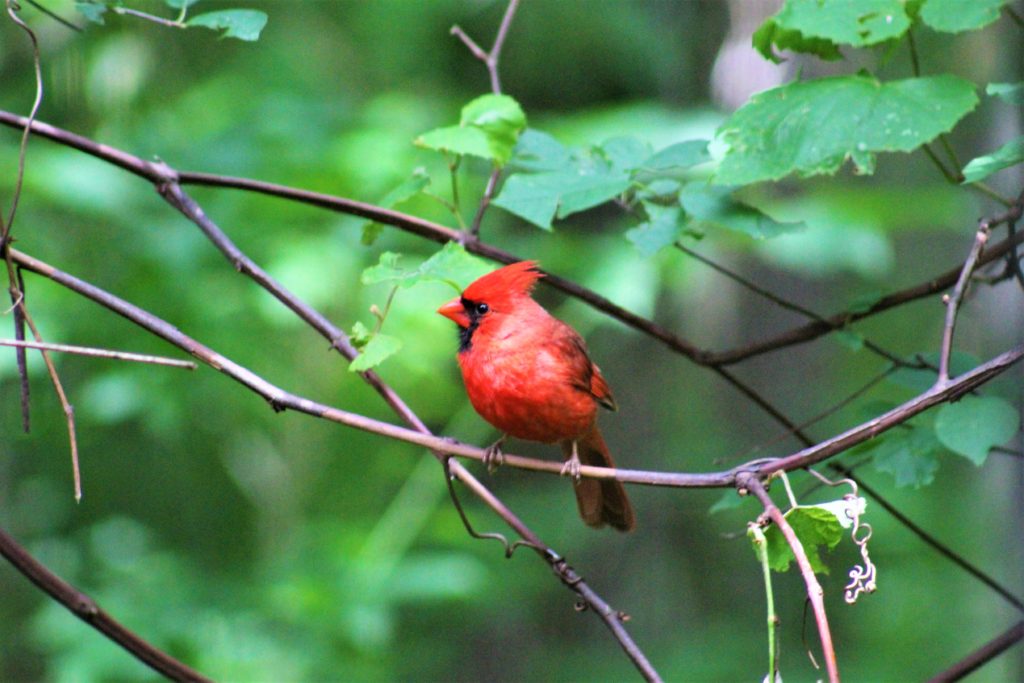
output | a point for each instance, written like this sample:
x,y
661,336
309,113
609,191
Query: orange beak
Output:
x,y
455,311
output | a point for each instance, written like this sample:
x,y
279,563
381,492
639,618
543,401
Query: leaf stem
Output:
x,y
761,548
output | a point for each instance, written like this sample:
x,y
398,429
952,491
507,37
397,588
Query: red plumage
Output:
x,y
529,375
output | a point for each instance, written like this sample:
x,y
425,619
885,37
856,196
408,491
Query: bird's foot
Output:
x,y
571,468
493,456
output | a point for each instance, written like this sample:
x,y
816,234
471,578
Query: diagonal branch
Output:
x,y
86,609
982,655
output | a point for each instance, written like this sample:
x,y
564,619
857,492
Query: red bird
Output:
x,y
529,375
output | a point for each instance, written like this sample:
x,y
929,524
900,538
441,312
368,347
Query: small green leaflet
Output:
x,y
452,264
374,349
710,206
954,16
771,37
974,424
665,226
540,197
243,24
678,156
812,127
910,453
1008,92
92,11
813,526
1010,154
488,128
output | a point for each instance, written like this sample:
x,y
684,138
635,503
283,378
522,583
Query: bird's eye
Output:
x,y
482,308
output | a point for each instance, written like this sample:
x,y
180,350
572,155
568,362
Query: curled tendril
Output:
x,y
862,577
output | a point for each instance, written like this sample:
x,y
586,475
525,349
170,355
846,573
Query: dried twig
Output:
x,y
982,655
101,353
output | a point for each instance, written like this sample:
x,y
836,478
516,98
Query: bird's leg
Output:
x,y
493,457
571,467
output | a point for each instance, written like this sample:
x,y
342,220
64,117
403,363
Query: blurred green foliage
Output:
x,y
263,546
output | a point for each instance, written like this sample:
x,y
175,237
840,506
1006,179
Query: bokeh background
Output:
x,y
263,546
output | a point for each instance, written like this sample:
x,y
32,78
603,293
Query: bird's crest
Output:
x,y
518,278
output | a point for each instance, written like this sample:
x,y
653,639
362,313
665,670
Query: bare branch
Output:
x,y
814,591
101,353
983,655
86,609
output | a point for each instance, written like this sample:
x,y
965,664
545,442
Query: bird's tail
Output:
x,y
601,501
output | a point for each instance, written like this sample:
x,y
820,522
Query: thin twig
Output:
x,y
983,655
954,300
86,609
53,15
814,591
101,353
148,17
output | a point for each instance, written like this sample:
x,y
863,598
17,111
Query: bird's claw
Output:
x,y
493,456
571,468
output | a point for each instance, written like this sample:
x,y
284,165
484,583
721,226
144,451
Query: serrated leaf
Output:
x,y
678,156
92,11
374,352
451,264
537,151
243,24
812,127
625,153
771,36
1010,154
954,16
973,425
814,527
847,22
909,453
664,227
1008,92
407,189
713,206
539,197
922,379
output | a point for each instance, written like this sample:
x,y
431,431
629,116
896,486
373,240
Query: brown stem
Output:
x,y
814,591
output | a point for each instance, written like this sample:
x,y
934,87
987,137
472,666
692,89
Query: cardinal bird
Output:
x,y
529,375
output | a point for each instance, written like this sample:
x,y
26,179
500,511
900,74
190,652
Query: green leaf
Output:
x,y
359,335
714,206
452,264
954,16
678,156
539,197
847,22
1010,154
665,225
1009,92
624,153
844,510
488,128
812,127
851,339
374,352
457,140
407,189
536,151
243,24
772,35
909,453
813,526
92,11
178,4
973,425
